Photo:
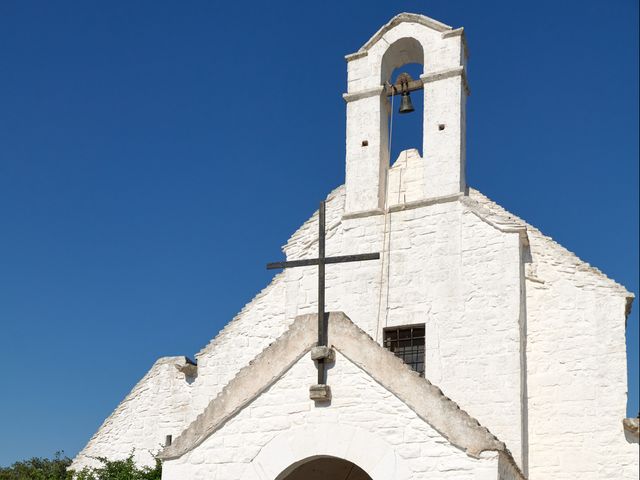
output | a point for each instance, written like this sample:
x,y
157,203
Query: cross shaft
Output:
x,y
321,261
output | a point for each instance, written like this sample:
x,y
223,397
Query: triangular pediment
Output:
x,y
424,398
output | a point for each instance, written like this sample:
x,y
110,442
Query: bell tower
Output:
x,y
407,38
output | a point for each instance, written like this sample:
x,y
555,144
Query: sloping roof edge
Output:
x,y
499,216
179,361
424,398
278,277
332,223
400,18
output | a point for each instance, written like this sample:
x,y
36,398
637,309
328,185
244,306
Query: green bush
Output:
x,y
38,469
56,469
120,470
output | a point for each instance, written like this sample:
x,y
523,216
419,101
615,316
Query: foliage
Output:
x,y
56,469
38,469
120,470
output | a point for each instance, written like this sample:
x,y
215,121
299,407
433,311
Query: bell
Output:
x,y
405,104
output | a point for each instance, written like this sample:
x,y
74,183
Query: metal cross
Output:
x,y
321,261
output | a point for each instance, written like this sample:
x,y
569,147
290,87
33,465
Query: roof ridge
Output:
x,y
214,416
470,436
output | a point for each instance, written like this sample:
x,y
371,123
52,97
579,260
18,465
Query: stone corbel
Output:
x,y
321,392
632,425
189,369
327,354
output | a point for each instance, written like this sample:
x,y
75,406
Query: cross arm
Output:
x,y
328,260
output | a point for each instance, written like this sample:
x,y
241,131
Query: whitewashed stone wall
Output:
x,y
445,267
406,179
164,402
360,403
259,323
157,406
407,38
522,334
577,365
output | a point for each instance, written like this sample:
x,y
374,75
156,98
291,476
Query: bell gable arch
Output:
x,y
407,38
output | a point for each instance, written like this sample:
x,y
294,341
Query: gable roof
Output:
x,y
424,398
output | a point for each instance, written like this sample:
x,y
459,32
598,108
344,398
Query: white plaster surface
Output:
x,y
451,267
522,334
577,367
364,424
157,406
425,399
407,39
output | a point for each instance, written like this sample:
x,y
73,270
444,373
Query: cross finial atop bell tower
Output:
x,y
407,38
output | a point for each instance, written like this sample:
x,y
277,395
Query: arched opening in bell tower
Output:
x,y
404,130
436,166
324,468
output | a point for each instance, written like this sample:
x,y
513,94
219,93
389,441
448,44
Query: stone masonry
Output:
x,y
524,336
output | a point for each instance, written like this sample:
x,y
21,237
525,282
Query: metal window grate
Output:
x,y
407,343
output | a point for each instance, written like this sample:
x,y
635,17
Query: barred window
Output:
x,y
407,343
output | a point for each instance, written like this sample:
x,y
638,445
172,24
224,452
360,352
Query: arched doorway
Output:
x,y
324,468
293,448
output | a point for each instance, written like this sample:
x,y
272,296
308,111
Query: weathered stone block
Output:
x,y
327,354
320,393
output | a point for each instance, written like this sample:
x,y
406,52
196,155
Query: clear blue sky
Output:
x,y
155,155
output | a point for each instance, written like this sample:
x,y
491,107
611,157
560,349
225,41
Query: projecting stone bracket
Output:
x,y
320,393
327,354
632,425
187,367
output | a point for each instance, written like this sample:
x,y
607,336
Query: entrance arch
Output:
x,y
324,468
296,447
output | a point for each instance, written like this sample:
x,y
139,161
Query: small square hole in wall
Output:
x,y
441,127
365,143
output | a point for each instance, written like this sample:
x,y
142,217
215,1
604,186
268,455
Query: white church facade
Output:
x,y
474,347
